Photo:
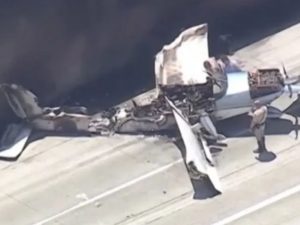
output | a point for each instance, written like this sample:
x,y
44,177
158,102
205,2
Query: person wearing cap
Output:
x,y
259,115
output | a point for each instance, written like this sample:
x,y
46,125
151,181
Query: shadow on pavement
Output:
x,y
266,156
204,189
241,127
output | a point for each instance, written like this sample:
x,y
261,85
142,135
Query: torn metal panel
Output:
x,y
181,62
198,156
13,140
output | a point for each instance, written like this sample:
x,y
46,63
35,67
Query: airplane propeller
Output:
x,y
287,78
289,82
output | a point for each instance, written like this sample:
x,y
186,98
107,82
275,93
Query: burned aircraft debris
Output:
x,y
193,91
186,96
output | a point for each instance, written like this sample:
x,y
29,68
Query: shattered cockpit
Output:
x,y
265,81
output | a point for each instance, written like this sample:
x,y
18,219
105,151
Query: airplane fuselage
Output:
x,y
238,98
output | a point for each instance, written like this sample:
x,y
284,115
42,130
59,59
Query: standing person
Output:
x,y
259,115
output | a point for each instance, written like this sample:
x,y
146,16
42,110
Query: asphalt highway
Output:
x,y
143,180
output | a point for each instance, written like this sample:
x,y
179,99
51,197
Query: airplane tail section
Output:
x,y
14,140
198,157
23,102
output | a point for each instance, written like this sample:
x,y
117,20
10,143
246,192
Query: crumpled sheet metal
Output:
x,y
181,62
197,151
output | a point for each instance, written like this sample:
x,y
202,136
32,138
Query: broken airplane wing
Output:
x,y
198,155
181,62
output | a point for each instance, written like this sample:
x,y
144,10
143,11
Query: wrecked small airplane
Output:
x,y
187,96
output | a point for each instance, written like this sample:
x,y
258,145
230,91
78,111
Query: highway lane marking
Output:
x,y
109,192
116,189
260,205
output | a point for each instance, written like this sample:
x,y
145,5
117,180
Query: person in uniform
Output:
x,y
259,114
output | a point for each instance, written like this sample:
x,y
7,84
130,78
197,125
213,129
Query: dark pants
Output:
x,y
261,145
259,132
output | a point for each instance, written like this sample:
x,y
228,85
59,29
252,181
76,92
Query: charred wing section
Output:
x,y
157,115
154,116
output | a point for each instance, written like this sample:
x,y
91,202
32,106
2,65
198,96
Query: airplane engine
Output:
x,y
264,82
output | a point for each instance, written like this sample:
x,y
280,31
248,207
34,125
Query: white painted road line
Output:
x,y
259,206
110,192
